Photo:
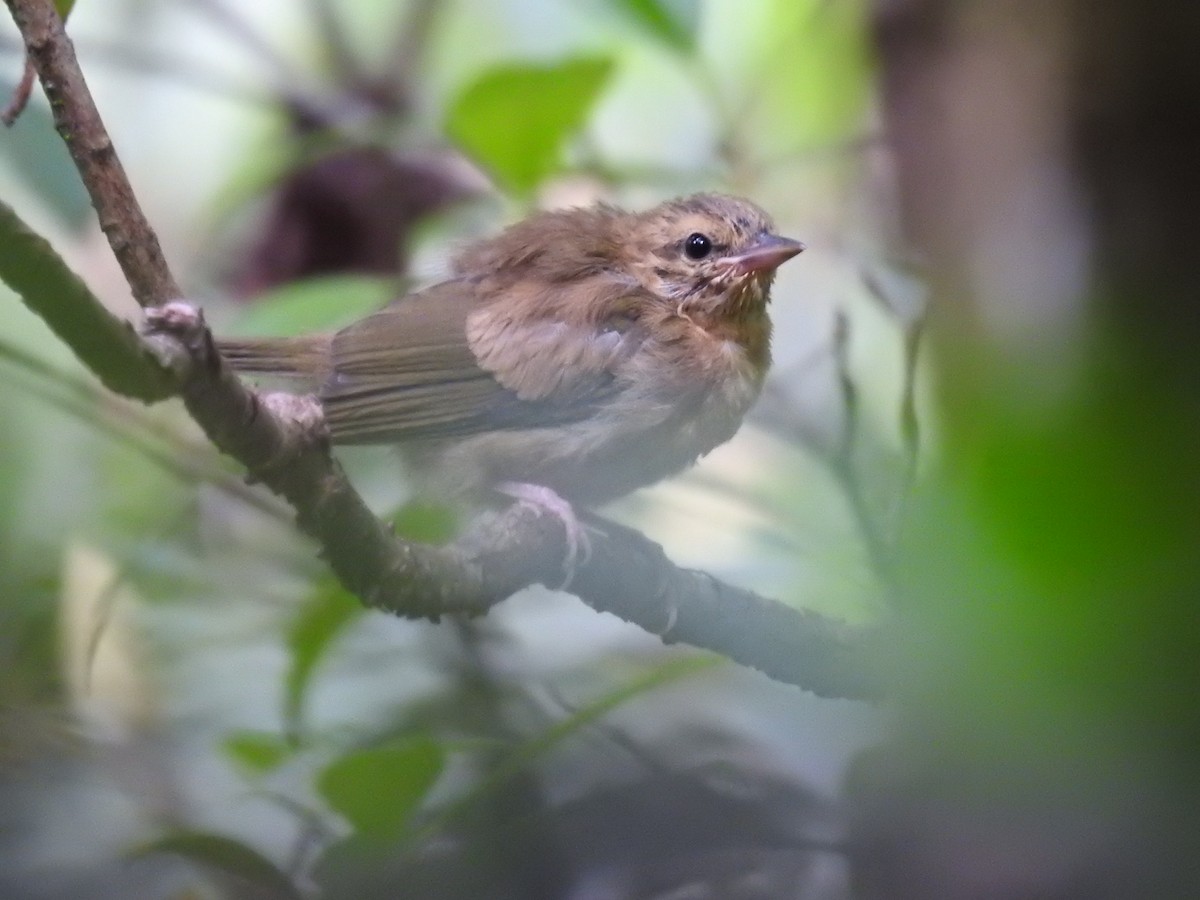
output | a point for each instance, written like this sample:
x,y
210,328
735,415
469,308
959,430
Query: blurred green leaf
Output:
x,y
673,23
256,751
329,610
315,304
340,859
424,522
64,7
226,856
37,154
378,789
820,79
265,161
515,118
798,73
665,673
525,754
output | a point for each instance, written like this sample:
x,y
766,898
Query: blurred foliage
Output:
x,y
399,775
674,23
36,154
328,611
518,141
316,304
257,752
249,873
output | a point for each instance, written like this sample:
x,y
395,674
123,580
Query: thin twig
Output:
x,y
140,59
910,425
343,60
413,37
124,55
240,30
841,462
20,96
903,298
292,85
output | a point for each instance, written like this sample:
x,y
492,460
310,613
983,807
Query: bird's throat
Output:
x,y
741,318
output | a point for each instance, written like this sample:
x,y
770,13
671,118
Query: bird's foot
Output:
x,y
546,500
176,334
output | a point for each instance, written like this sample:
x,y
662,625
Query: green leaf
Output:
x,y
38,156
330,609
379,788
515,118
257,751
352,853
226,856
424,522
525,754
63,8
665,673
104,343
315,304
673,23
797,74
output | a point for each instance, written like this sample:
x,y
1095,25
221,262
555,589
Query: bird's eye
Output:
x,y
697,246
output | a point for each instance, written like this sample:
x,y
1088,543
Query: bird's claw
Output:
x,y
543,499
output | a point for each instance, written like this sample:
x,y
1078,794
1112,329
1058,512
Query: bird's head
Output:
x,y
708,253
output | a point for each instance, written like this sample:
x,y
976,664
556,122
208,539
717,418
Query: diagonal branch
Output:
x,y
280,440
103,342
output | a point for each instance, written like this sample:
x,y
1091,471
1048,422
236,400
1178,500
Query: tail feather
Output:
x,y
298,357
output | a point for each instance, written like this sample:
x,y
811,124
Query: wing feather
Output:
x,y
441,364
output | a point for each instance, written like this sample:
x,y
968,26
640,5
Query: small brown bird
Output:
x,y
576,356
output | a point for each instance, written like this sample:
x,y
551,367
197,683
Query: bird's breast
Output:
x,y
680,395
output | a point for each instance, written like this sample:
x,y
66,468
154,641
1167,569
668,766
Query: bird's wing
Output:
x,y
440,364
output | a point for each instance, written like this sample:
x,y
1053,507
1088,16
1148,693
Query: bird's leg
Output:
x,y
545,499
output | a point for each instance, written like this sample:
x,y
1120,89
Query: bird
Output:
x,y
576,356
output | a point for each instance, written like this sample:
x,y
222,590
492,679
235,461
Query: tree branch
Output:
x,y
281,441
104,343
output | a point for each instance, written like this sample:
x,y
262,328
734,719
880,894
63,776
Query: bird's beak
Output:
x,y
767,253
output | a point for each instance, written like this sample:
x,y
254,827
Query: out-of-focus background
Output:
x,y
979,437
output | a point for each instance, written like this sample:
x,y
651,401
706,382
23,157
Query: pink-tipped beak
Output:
x,y
767,253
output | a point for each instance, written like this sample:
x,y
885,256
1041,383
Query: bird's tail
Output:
x,y
296,357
